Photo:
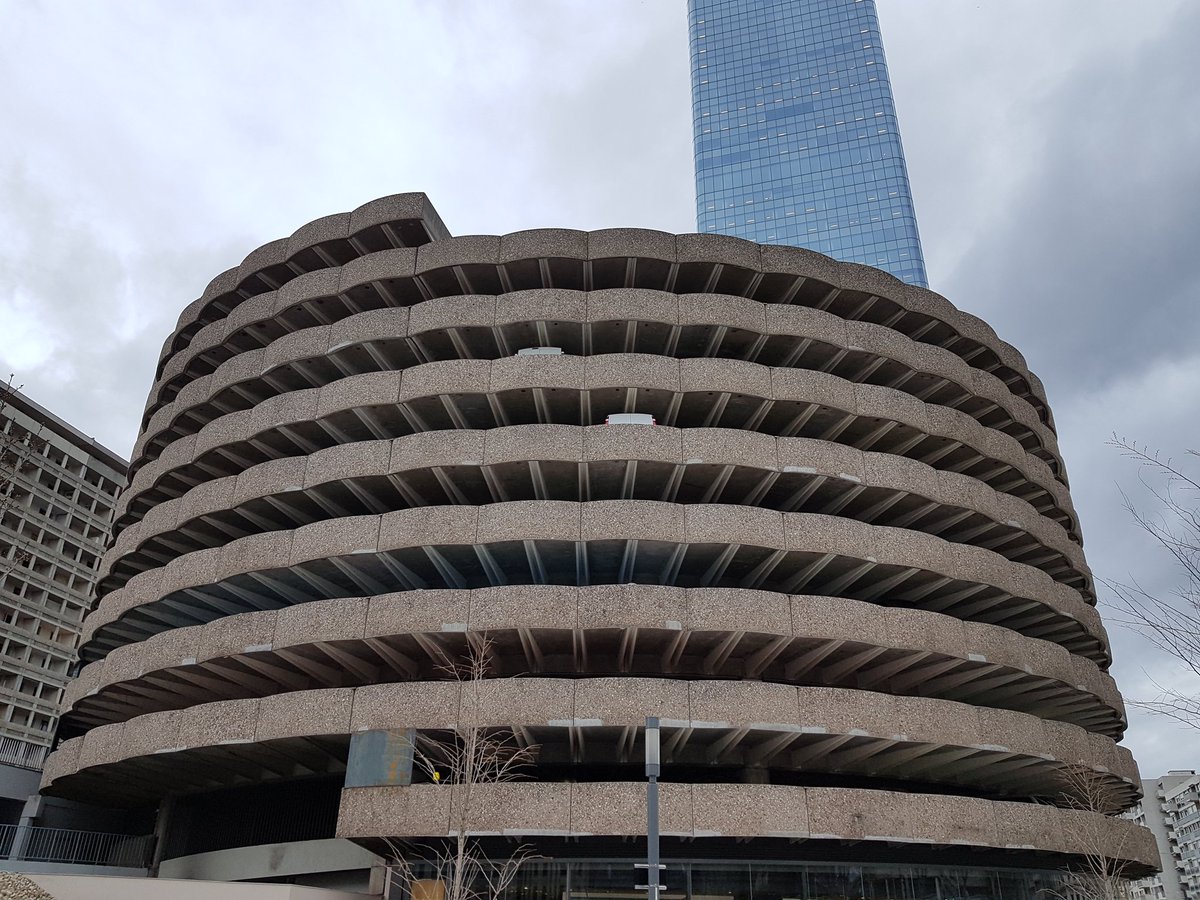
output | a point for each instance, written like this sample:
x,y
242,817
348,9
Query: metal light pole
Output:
x,y
653,770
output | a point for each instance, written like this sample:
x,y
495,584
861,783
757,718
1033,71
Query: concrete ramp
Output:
x,y
100,887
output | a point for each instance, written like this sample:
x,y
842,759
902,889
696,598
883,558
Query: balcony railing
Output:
x,y
22,754
64,845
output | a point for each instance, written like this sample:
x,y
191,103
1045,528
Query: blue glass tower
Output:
x,y
796,136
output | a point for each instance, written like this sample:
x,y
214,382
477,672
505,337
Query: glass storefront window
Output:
x,y
615,879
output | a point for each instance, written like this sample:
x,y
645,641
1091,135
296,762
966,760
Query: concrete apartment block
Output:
x,y
842,566
1170,808
59,488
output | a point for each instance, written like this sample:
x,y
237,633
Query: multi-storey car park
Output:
x,y
57,491
842,568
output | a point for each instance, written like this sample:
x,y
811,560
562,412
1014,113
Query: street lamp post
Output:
x,y
653,770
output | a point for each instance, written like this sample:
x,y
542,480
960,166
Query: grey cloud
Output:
x,y
1093,267
87,307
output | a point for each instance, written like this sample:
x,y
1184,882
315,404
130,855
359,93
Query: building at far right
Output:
x,y
796,136
1170,808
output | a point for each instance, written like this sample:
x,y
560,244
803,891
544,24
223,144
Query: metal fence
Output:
x,y
64,845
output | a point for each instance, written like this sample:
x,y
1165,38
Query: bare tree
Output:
x,y
468,758
1101,872
1171,621
18,446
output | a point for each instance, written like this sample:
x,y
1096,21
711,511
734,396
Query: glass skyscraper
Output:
x,y
796,137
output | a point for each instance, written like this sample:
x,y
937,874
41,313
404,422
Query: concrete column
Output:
x,y
161,823
29,816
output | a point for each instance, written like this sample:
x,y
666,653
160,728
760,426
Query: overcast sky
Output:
x,y
1052,147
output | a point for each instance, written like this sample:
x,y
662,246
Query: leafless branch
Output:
x,y
461,760
1171,621
1101,870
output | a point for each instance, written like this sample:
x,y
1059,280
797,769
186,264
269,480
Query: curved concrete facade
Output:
x,y
843,567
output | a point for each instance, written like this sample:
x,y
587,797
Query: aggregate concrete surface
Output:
x,y
20,887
